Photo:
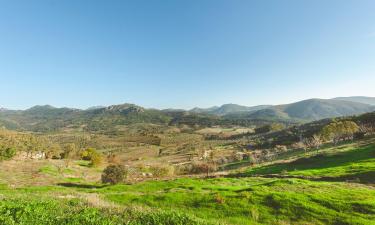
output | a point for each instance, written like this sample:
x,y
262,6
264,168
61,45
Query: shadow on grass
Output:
x,y
364,178
320,161
84,186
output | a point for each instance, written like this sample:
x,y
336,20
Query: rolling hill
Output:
x,y
359,99
308,110
48,118
229,108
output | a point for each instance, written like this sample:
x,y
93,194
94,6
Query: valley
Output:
x,y
194,171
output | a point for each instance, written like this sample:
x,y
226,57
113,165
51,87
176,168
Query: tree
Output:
x,y
269,128
339,130
88,154
53,150
69,151
314,142
93,156
96,160
114,174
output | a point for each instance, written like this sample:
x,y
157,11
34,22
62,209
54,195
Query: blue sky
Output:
x,y
182,54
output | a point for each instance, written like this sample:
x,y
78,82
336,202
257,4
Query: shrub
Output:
x,y
7,153
93,156
113,159
114,174
203,167
69,150
162,171
96,160
88,154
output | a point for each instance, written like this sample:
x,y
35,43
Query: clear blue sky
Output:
x,y
184,53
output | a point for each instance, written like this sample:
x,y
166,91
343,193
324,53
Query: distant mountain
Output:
x,y
48,110
95,107
316,109
47,118
308,110
210,110
359,99
228,109
123,109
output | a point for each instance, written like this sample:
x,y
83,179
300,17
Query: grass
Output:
x,y
73,212
346,162
251,200
238,200
192,201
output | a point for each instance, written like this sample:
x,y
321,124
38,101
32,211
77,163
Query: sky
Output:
x,y
184,53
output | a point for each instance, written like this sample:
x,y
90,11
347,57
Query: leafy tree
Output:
x,y
69,150
88,154
53,150
114,174
339,130
93,156
96,160
314,142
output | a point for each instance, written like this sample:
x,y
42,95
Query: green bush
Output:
x,y
96,160
88,154
7,153
93,156
114,174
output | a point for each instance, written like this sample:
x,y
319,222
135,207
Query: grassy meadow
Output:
x,y
313,188
350,162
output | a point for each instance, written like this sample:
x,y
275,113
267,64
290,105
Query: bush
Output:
x,y
96,160
93,156
113,159
7,153
203,167
114,174
88,154
162,171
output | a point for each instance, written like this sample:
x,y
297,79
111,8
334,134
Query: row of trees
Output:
x,y
339,131
46,147
335,132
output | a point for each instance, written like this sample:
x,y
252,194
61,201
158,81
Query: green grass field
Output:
x,y
193,201
343,163
322,197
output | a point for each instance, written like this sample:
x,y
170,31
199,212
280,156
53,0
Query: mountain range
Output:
x,y
308,110
228,109
49,118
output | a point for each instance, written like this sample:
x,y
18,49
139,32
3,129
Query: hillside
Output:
x,y
308,110
228,109
353,161
252,178
359,99
48,118
315,109
328,184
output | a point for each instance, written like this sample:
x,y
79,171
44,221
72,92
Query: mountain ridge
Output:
x,y
309,110
49,118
